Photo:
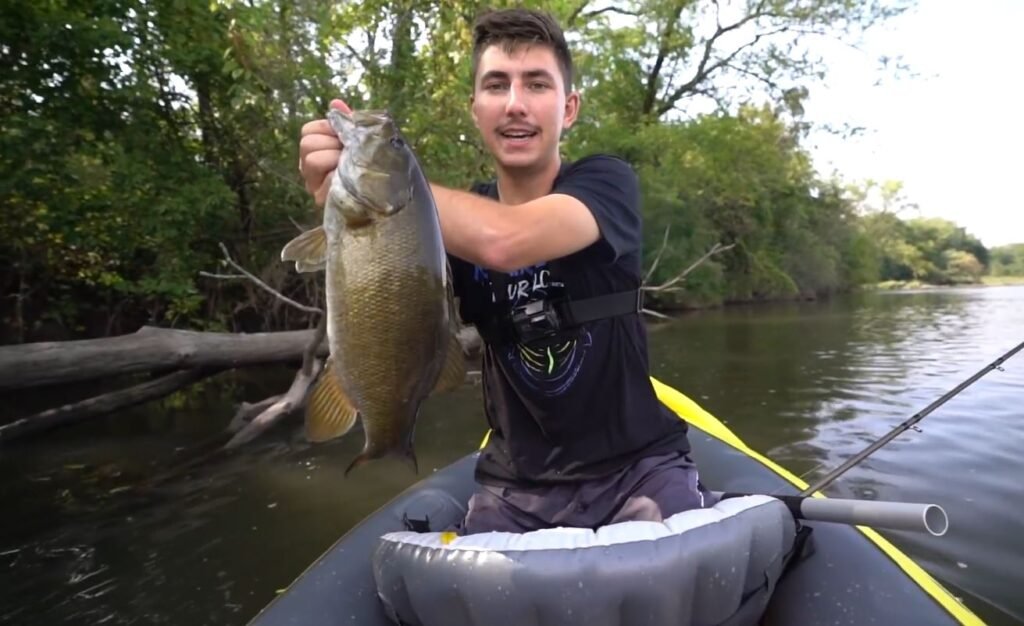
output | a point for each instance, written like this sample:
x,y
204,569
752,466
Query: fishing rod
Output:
x,y
908,424
912,516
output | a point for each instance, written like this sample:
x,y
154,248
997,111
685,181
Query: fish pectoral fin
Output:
x,y
453,372
308,250
329,413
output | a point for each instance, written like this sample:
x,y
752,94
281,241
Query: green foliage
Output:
x,y
138,136
933,250
1007,260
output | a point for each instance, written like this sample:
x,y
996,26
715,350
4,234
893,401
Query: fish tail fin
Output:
x,y
308,250
330,413
362,459
407,456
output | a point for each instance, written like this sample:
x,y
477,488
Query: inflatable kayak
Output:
x,y
740,562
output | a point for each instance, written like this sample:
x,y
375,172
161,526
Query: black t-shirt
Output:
x,y
580,405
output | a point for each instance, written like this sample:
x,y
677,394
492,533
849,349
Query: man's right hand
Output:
x,y
319,152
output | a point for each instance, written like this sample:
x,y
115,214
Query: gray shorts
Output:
x,y
651,489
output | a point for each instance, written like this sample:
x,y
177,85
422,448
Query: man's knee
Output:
x,y
638,509
675,490
489,513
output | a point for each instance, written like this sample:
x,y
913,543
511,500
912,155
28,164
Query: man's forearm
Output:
x,y
469,225
507,237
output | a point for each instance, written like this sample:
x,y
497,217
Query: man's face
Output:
x,y
520,105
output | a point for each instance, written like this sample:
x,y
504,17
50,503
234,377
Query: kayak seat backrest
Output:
x,y
713,566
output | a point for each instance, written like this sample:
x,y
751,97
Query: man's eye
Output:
x,y
494,87
538,86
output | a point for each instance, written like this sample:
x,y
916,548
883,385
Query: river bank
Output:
x,y
986,281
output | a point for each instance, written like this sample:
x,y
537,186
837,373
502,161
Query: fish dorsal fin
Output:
x,y
308,250
329,413
453,372
454,318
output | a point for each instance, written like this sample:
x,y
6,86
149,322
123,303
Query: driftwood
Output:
x,y
184,357
102,405
294,398
150,349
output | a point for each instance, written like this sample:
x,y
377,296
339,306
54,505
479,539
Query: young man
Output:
x,y
578,436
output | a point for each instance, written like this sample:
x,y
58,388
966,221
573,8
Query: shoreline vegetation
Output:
x,y
141,149
984,281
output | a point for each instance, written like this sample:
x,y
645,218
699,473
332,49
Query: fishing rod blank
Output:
x,y
836,473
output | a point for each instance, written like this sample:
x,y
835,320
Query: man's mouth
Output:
x,y
517,133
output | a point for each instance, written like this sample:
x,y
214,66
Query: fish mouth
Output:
x,y
362,117
352,127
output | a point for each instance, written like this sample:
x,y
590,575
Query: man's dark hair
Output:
x,y
511,28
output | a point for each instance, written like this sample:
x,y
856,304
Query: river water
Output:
x,y
809,384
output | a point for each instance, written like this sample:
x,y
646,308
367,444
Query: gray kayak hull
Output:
x,y
842,577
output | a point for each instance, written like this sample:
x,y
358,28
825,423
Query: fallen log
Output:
x,y
101,405
152,349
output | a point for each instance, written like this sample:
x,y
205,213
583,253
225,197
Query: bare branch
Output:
x,y
704,69
292,399
657,258
771,84
309,356
247,411
364,61
263,285
103,404
576,13
656,314
652,77
611,9
667,286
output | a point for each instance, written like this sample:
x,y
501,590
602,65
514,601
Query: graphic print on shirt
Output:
x,y
546,366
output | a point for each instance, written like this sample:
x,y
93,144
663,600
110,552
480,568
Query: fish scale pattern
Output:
x,y
390,321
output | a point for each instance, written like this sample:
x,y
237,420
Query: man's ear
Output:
x,y
472,110
572,109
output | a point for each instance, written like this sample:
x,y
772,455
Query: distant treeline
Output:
x,y
137,136
1007,260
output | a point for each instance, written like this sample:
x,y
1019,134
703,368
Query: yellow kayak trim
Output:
x,y
697,417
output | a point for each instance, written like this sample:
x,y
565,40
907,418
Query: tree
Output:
x,y
140,135
1008,260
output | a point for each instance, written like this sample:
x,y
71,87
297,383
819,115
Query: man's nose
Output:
x,y
515,105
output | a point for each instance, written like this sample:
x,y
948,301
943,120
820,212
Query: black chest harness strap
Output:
x,y
548,317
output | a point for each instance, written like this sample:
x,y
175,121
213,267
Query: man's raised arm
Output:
x,y
507,237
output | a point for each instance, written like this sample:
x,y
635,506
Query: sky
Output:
x,y
954,133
